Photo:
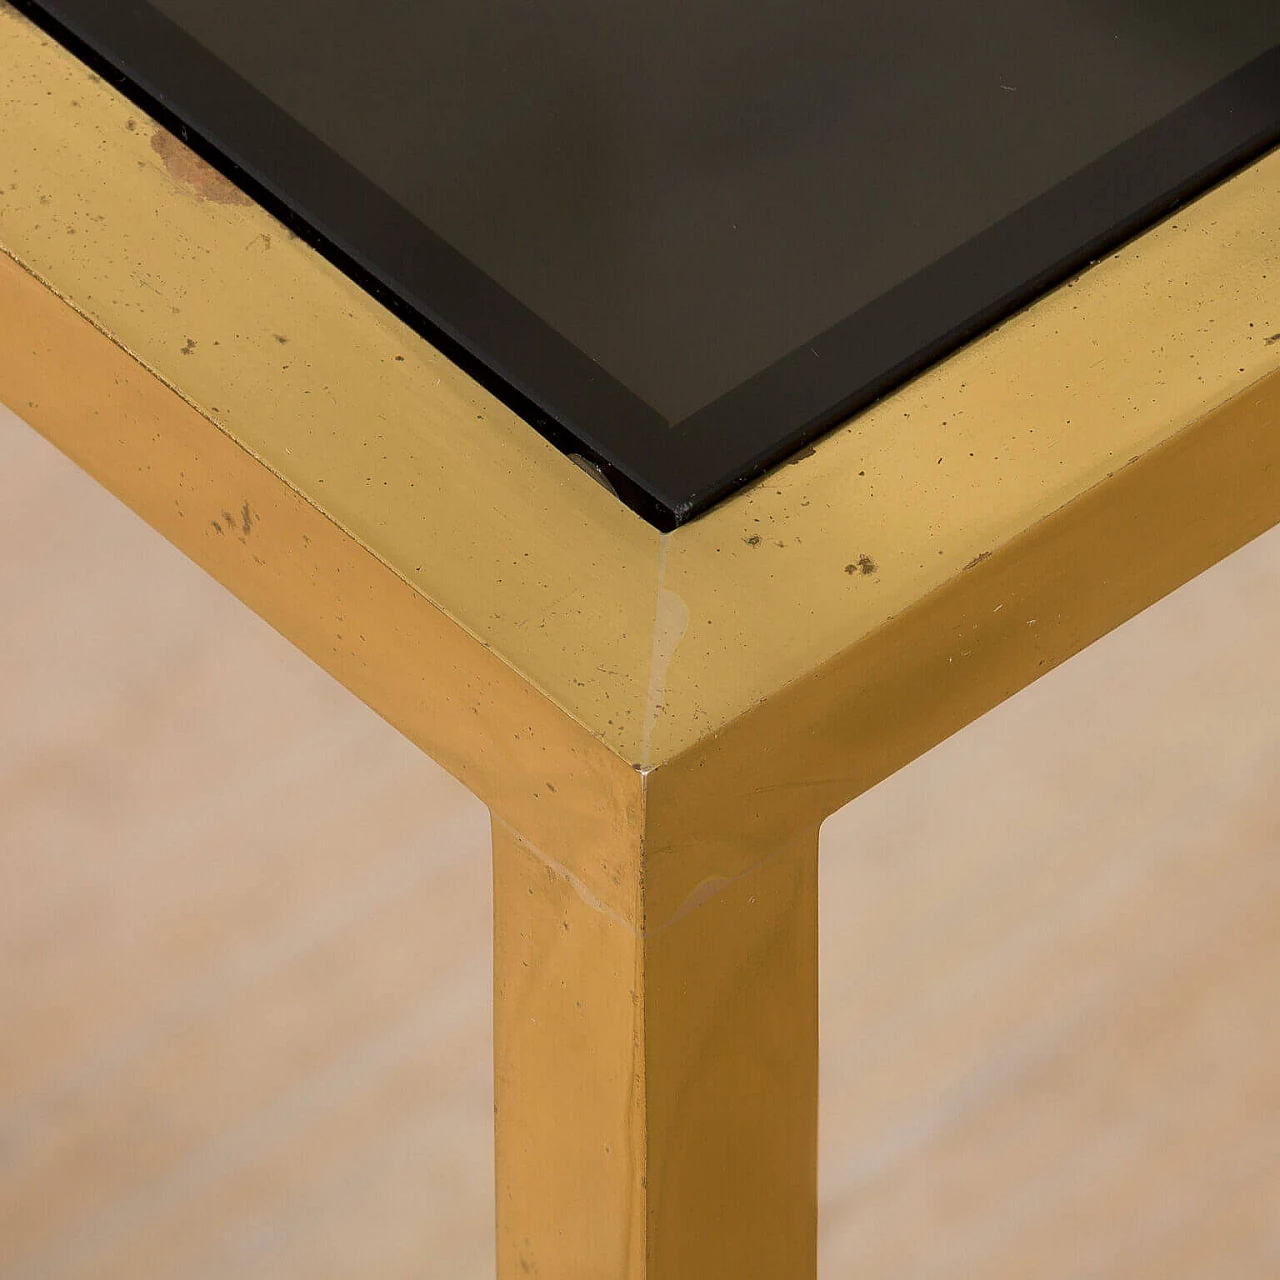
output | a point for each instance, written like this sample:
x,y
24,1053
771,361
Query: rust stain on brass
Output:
x,y
184,166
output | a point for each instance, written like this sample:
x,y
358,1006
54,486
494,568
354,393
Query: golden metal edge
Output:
x,y
533,765
656,644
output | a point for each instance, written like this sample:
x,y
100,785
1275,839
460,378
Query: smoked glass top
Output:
x,y
684,239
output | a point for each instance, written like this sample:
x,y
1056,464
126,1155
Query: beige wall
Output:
x,y
244,950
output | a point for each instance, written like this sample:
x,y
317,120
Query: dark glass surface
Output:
x,y
684,239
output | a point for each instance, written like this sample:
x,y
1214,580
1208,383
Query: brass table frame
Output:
x,y
658,723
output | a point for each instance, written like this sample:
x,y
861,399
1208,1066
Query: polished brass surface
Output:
x,y
658,718
673,1127
569,1013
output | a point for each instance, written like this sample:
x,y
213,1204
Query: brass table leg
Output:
x,y
656,1086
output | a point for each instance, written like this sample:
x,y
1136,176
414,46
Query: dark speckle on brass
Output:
x,y
1271,341
753,541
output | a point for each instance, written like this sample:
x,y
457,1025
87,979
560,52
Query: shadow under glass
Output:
x,y
683,240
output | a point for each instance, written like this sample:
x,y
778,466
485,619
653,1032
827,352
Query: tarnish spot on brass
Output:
x,y
186,167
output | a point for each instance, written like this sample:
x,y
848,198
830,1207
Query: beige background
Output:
x,y
244,950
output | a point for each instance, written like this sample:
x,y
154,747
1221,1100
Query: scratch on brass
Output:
x,y
579,887
670,622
